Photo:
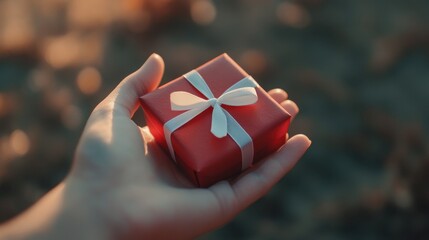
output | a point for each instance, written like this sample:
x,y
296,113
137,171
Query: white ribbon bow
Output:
x,y
238,97
240,94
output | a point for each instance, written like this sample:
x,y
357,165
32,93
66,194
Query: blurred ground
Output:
x,y
358,69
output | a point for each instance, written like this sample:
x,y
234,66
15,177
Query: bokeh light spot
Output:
x,y
91,14
203,12
293,15
16,32
19,142
254,61
62,51
89,80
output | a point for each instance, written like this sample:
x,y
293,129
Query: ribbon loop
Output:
x,y
239,97
181,100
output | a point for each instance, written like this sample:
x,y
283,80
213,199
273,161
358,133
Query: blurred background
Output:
x,y
358,69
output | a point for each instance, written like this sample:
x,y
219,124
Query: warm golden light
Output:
x,y
89,80
254,61
16,32
62,51
73,49
293,15
91,14
203,12
19,142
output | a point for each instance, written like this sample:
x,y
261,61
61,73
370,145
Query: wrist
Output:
x,y
67,211
79,216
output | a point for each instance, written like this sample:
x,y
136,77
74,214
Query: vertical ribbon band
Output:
x,y
240,94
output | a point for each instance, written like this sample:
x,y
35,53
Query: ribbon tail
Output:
x,y
219,122
243,140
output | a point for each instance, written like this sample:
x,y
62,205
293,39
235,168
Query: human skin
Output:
x,y
122,186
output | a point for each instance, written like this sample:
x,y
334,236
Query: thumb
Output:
x,y
124,97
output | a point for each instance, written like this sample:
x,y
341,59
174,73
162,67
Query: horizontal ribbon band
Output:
x,y
240,94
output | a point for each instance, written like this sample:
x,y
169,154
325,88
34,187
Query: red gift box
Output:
x,y
205,158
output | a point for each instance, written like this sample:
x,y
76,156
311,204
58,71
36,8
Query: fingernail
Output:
x,y
148,59
309,143
307,140
154,55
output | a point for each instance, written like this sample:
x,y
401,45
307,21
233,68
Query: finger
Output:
x,y
291,108
278,94
124,97
253,185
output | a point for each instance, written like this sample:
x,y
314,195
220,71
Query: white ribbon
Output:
x,y
240,94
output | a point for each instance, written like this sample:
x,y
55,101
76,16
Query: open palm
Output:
x,y
140,192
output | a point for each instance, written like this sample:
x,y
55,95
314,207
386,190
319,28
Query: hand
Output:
x,y
132,190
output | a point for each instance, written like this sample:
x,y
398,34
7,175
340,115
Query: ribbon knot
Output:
x,y
213,101
240,94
